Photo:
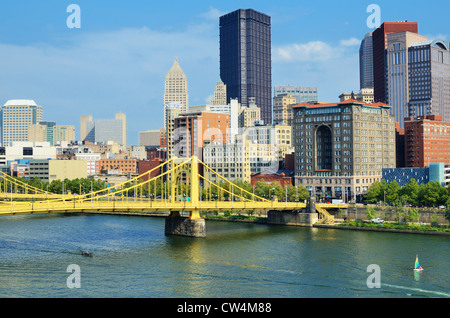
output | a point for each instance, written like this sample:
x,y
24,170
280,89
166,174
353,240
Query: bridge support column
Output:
x,y
295,218
184,226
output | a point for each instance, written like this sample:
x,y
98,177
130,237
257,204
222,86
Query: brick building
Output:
x,y
427,140
118,166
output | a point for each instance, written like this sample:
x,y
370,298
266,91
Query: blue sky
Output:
x,y
117,60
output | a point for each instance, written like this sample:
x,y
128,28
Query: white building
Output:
x,y
92,162
230,160
26,150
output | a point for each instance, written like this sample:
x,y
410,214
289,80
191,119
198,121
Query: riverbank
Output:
x,y
410,230
262,219
359,226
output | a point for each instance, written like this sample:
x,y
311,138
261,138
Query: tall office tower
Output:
x,y
42,131
245,58
220,94
397,64
429,79
15,117
379,43
176,87
122,117
83,120
103,130
366,62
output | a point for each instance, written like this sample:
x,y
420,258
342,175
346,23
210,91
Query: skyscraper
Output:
x,y
103,130
397,65
429,79
15,117
175,87
366,62
220,94
245,58
379,42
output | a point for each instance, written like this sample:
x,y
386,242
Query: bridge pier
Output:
x,y
184,226
294,218
308,217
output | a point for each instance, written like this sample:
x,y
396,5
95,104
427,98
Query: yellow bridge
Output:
x,y
177,171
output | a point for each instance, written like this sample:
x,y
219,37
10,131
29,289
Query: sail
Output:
x,y
417,264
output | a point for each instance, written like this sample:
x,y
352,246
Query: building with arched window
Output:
x,y
340,149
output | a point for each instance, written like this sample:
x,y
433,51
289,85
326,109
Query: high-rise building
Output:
x,y
48,131
379,43
230,160
302,94
245,58
176,87
366,62
83,120
397,74
427,140
15,118
171,111
193,128
429,79
220,94
249,116
103,130
282,110
340,149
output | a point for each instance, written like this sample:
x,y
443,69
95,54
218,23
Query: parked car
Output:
x,y
377,220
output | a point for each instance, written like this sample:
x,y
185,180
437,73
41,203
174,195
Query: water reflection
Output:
x,y
133,258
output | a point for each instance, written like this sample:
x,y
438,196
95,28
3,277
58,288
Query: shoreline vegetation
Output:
x,y
395,227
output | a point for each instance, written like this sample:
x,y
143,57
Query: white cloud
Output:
x,y
332,68
311,51
350,42
106,72
213,14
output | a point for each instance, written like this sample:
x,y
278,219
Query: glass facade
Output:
x,y
429,79
245,59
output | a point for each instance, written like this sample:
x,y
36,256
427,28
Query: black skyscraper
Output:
x,y
245,58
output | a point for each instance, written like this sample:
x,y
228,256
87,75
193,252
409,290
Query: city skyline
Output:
x,y
117,61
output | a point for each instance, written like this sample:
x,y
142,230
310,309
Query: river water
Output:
x,y
133,258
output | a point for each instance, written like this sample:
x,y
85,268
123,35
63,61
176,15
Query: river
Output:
x,y
133,258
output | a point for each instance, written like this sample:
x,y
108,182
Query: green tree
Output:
x,y
376,191
429,193
410,192
371,213
392,194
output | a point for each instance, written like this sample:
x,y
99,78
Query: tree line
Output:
x,y
429,194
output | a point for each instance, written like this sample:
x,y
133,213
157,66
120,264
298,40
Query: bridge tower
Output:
x,y
194,225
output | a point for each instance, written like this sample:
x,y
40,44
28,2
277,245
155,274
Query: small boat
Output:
x,y
417,266
86,253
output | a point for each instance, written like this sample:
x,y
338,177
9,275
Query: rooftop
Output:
x,y
348,101
21,102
